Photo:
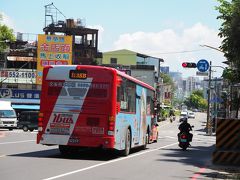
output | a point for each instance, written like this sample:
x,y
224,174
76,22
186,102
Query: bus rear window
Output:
x,y
78,89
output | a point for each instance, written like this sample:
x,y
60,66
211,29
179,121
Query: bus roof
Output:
x,y
135,80
108,68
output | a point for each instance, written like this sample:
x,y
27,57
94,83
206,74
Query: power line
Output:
x,y
181,52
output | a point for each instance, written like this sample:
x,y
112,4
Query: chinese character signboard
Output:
x,y
53,50
18,76
19,93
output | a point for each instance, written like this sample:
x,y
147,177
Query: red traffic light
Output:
x,y
184,64
189,65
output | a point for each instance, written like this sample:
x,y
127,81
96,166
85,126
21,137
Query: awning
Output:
x,y
21,106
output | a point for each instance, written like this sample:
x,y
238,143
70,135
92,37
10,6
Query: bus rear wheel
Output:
x,y
127,149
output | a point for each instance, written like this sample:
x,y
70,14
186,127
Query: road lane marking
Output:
x,y
1,156
2,134
15,142
170,137
196,175
108,162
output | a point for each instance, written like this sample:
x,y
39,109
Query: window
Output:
x,y
113,60
7,113
77,91
150,102
126,95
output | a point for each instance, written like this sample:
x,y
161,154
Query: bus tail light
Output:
x,y
111,125
40,122
78,67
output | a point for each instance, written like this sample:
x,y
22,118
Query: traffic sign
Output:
x,y
216,100
198,73
202,65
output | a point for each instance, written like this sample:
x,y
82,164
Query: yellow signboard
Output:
x,y
53,50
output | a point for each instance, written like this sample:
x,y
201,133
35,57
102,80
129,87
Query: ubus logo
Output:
x,y
63,118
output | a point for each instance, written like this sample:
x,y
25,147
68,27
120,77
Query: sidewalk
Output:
x,y
226,172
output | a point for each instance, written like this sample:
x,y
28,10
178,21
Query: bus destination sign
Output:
x,y
78,74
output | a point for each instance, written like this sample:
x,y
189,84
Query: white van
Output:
x,y
8,118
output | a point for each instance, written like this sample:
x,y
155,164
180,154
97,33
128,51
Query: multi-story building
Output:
x,y
20,74
164,69
126,57
178,82
143,67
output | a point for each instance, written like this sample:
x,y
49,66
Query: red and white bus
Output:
x,y
95,106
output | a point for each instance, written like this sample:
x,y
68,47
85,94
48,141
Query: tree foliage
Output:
x,y
196,100
6,35
198,93
168,80
230,33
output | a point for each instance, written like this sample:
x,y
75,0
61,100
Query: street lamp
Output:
x,y
211,47
209,127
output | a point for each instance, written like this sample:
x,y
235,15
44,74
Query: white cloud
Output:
x,y
7,20
163,44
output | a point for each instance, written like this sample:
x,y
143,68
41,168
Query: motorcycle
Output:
x,y
172,118
183,139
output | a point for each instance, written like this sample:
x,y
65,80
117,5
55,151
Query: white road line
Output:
x,y
1,156
109,162
15,142
171,137
165,124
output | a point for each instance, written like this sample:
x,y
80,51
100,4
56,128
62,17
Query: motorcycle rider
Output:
x,y
171,115
185,127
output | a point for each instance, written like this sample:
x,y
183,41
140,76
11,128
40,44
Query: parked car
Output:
x,y
183,115
28,120
8,117
191,114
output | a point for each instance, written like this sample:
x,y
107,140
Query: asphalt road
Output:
x,y
21,158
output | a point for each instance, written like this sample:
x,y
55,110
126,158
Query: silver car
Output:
x,y
191,115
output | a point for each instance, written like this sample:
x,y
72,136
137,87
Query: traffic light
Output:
x,y
189,65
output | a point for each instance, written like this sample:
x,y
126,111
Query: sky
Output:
x,y
169,29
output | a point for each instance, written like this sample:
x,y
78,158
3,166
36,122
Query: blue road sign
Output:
x,y
216,100
203,65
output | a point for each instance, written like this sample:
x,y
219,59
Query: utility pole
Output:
x,y
209,123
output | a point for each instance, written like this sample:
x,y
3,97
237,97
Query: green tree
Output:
x,y
6,35
230,33
196,100
168,80
198,93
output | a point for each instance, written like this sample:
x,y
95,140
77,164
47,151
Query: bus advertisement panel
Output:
x,y
94,106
